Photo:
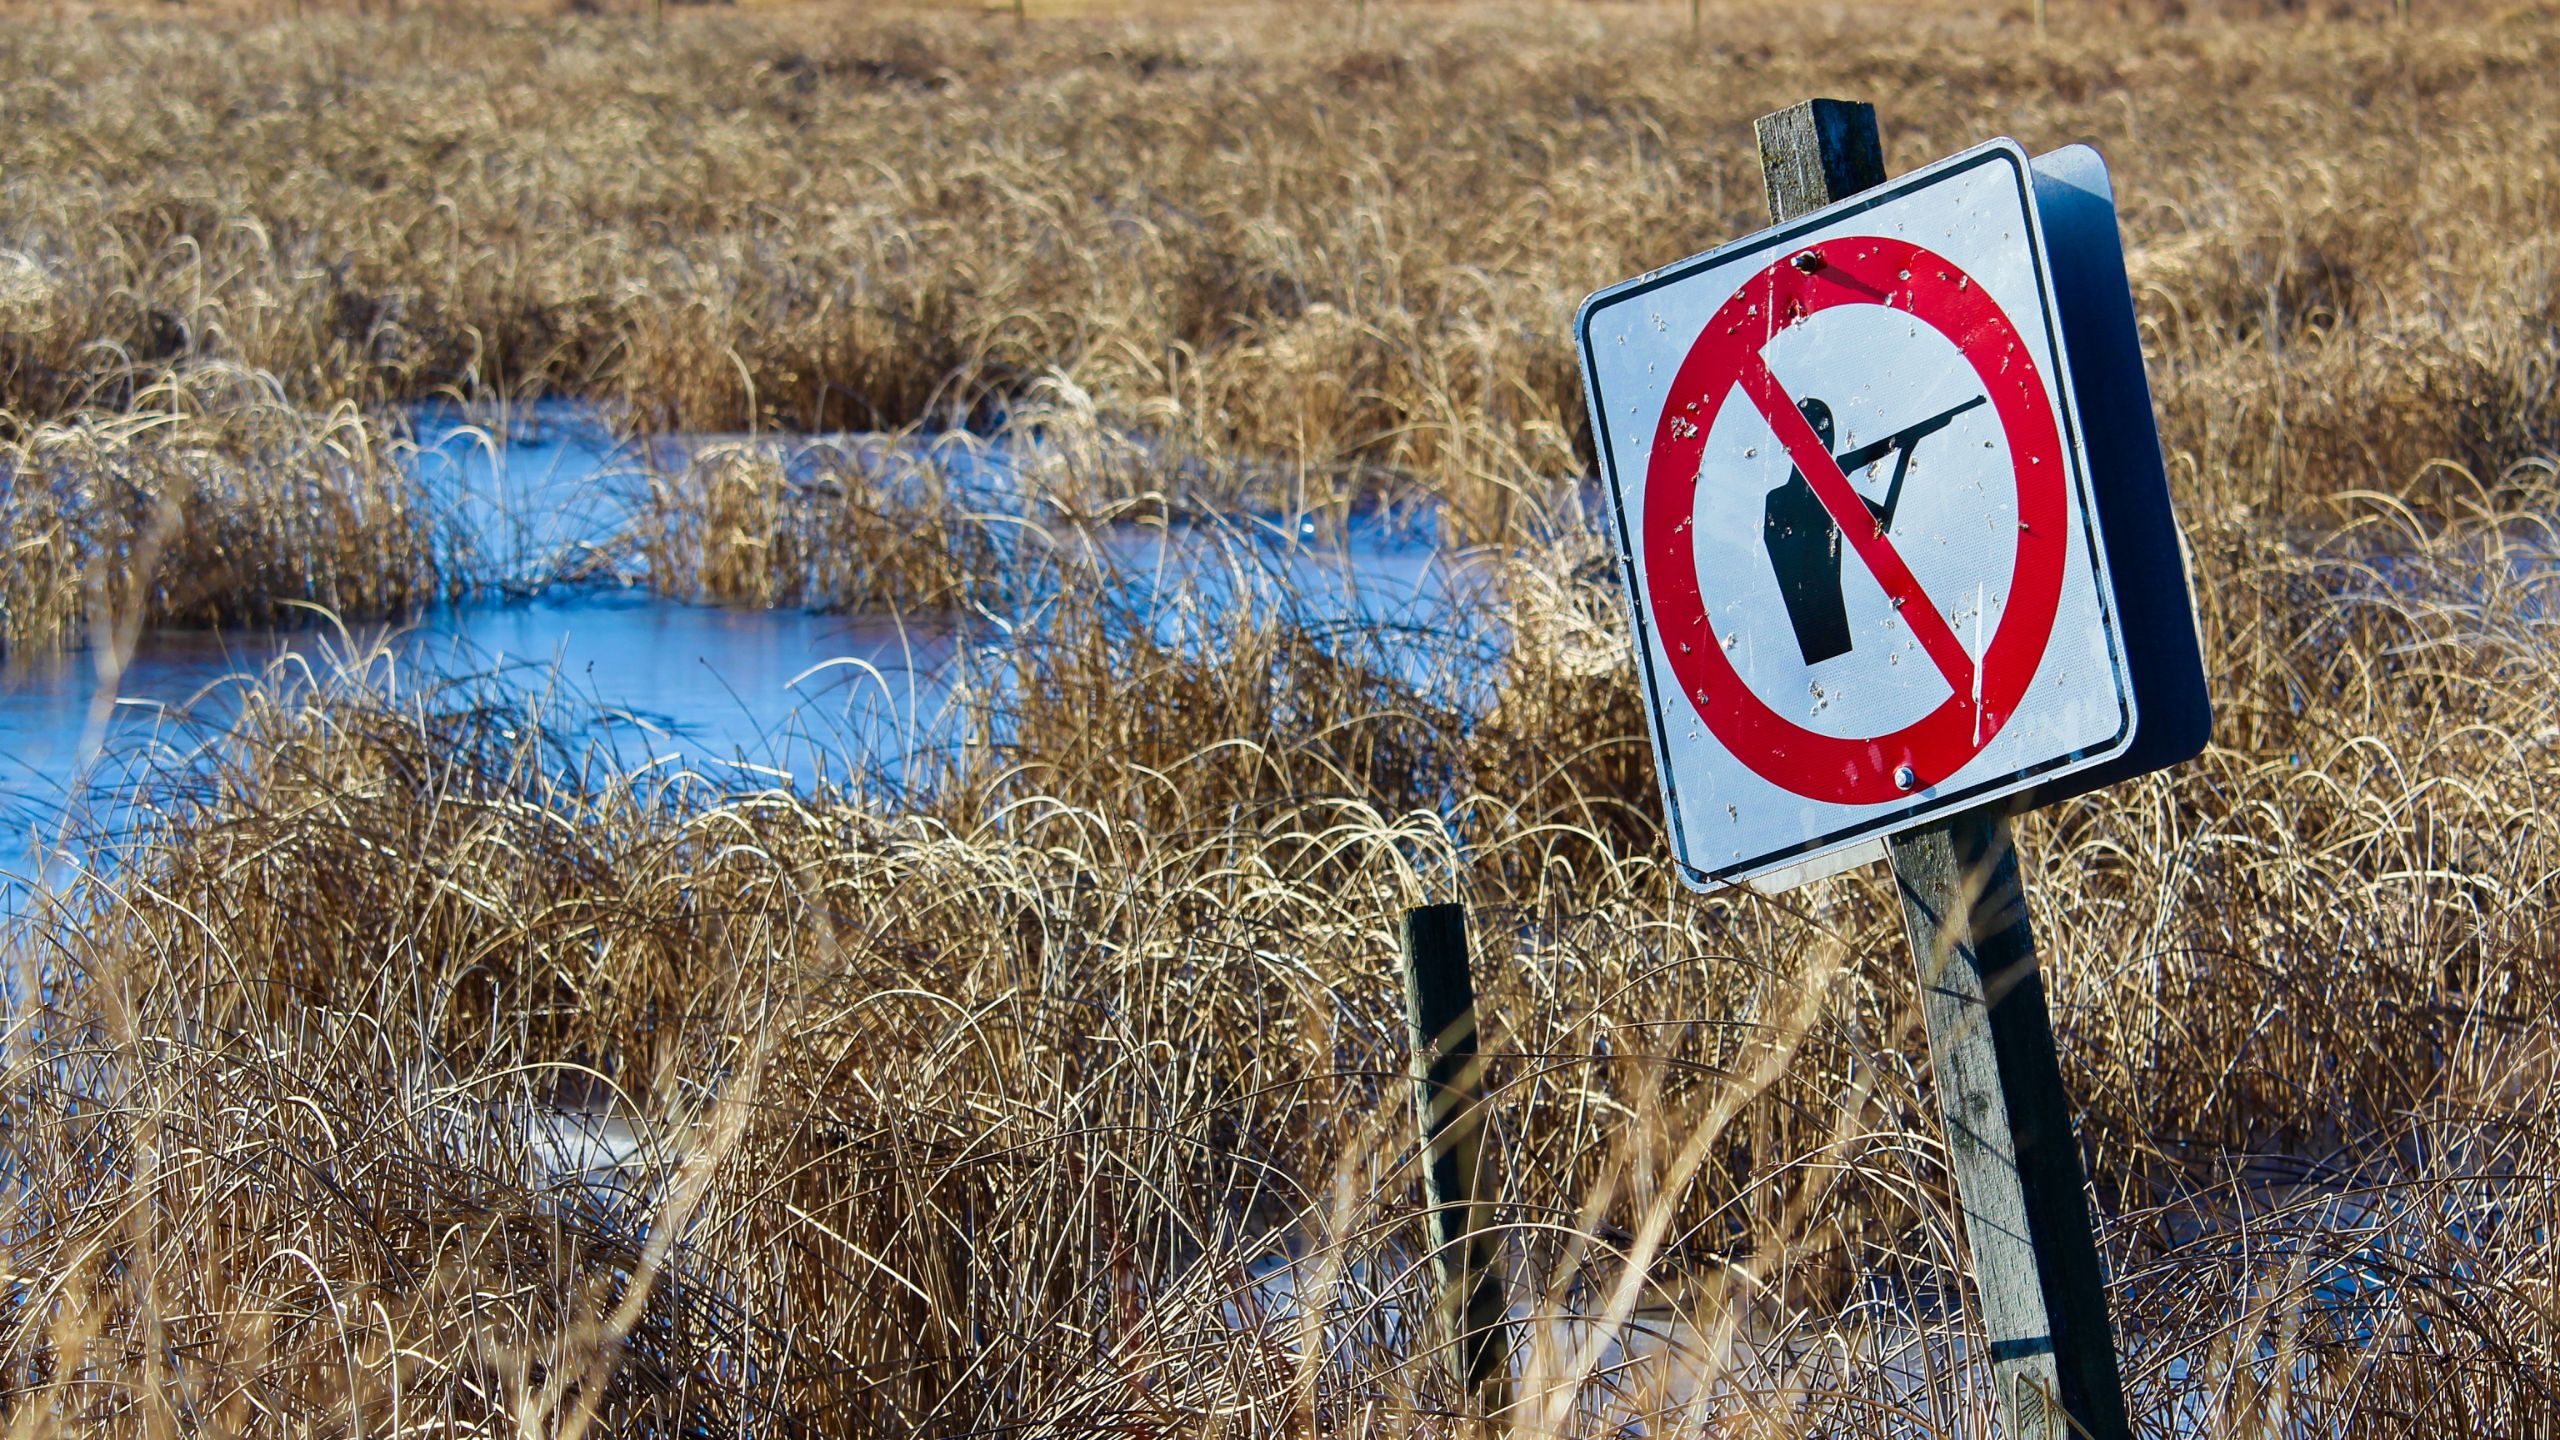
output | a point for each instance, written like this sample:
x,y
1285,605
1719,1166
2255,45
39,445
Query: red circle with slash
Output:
x,y
1728,359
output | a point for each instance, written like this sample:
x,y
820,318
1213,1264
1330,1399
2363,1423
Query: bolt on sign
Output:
x,y
1872,551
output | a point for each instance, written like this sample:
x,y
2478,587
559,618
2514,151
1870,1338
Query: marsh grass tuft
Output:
x,y
209,500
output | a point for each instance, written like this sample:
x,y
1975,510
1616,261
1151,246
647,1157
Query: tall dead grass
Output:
x,y
412,1067
207,499
1352,252
1061,1091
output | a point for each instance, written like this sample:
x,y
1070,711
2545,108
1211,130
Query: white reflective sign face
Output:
x,y
1851,493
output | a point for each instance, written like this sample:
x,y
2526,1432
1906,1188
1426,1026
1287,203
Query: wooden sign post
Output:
x,y
2017,1166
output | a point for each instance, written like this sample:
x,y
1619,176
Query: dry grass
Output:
x,y
991,1102
1273,239
206,499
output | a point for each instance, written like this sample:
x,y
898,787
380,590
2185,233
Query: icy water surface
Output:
x,y
532,509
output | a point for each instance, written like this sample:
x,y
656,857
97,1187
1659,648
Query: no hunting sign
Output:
x,y
1854,496
1897,534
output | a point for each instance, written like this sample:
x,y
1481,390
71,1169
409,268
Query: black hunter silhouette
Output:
x,y
1804,541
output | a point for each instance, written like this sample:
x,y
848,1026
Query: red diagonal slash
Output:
x,y
1857,522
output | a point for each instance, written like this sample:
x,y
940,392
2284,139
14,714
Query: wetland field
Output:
x,y
716,724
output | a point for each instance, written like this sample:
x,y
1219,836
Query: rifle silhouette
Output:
x,y
1804,541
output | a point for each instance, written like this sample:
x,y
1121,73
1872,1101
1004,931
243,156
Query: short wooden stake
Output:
x,y
2017,1166
1457,1177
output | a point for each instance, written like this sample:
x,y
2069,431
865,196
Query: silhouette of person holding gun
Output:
x,y
1804,541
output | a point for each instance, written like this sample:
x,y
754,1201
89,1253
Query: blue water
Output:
x,y
534,505
531,496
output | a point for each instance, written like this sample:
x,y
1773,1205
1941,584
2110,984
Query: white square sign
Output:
x,y
1851,496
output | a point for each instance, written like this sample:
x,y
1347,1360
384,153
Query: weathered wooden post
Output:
x,y
1457,1172
2017,1166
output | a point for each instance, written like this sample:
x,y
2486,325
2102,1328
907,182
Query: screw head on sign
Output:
x,y
1808,262
1904,777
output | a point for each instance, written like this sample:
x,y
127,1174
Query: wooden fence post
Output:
x,y
1457,1176
2017,1167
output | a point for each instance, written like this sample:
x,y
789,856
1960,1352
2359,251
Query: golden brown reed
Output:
x,y
1274,239
206,499
998,1102
1058,1090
